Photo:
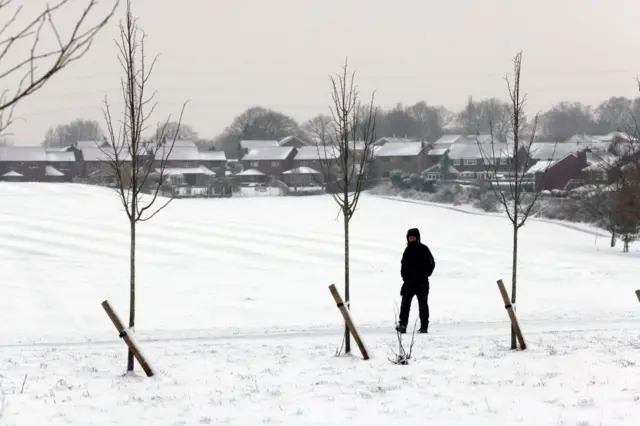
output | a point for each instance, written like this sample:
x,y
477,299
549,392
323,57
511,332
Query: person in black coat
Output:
x,y
416,267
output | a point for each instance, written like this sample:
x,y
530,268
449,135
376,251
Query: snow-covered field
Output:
x,y
235,316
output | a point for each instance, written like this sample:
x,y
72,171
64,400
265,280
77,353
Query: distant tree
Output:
x,y
175,130
256,123
566,119
432,120
516,200
69,134
347,149
36,48
614,114
474,119
314,127
134,160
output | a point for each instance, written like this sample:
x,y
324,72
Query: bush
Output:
x,y
488,202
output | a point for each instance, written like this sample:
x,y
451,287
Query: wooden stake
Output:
x,y
512,314
347,319
638,294
127,339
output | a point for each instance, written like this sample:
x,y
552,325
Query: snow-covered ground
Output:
x,y
235,315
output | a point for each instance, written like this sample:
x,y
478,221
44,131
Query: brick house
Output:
x,y
65,162
97,161
558,174
26,164
440,147
272,161
439,172
409,157
475,160
316,157
247,145
214,160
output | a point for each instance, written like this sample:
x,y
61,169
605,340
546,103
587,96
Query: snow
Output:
x,y
302,170
540,167
235,316
52,171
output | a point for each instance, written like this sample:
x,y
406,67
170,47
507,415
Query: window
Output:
x,y
470,162
304,163
386,175
255,163
275,164
407,159
456,162
504,161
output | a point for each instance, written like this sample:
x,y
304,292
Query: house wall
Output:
x,y
408,164
561,173
31,171
273,168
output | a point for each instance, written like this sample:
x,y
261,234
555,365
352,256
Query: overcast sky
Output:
x,y
225,56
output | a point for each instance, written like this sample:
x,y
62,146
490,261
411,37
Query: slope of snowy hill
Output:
x,y
235,314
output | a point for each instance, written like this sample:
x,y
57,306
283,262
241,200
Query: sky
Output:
x,y
226,56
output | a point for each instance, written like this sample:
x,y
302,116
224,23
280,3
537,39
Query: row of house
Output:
x,y
92,160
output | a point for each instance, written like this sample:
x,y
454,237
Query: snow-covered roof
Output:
x,y
251,144
540,167
178,153
23,154
12,173
52,171
177,171
183,143
269,153
61,156
468,150
213,156
399,149
437,151
448,139
103,154
289,139
385,140
315,153
551,150
251,172
302,170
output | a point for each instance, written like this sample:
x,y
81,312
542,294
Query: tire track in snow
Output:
x,y
459,210
494,328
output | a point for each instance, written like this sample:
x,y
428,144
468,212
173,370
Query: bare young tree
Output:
x,y
139,165
28,63
345,151
517,194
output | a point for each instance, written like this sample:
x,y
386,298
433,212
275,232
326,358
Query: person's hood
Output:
x,y
413,232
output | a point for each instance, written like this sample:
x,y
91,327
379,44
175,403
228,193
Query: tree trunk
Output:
x,y
347,335
613,238
514,275
132,287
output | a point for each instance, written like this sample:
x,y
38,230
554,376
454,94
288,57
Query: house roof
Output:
x,y
385,140
540,167
437,168
185,143
61,156
251,144
52,171
103,154
399,149
290,138
437,151
12,173
178,171
269,153
448,139
302,170
177,153
213,156
23,154
315,153
251,172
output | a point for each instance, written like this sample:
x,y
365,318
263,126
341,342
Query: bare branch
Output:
x,y
39,65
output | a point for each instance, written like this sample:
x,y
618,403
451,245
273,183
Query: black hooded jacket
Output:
x,y
417,261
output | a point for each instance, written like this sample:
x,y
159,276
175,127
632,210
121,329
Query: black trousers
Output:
x,y
422,293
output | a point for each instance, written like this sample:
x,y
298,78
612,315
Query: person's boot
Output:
x,y
402,329
423,329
